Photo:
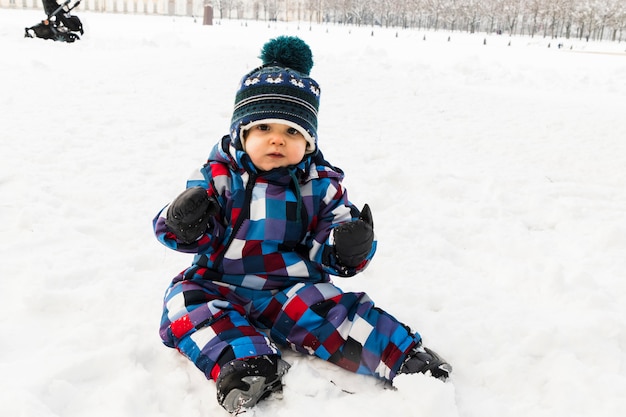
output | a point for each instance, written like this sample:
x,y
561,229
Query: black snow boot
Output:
x,y
424,360
244,382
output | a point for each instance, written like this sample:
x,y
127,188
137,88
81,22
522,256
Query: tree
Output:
x,y
599,19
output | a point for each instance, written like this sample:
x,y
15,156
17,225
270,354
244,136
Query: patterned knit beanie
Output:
x,y
279,91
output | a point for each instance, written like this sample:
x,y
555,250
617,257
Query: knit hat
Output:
x,y
279,91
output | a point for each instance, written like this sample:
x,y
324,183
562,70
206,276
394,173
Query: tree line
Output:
x,y
583,19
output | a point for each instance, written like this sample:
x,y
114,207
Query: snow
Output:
x,y
495,173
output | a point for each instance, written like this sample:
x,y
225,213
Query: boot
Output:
x,y
245,382
424,360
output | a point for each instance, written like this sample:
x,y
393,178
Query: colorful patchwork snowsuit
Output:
x,y
261,273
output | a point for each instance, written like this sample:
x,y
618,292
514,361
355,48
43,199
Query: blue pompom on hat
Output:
x,y
279,91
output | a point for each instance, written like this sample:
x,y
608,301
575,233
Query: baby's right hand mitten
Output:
x,y
188,215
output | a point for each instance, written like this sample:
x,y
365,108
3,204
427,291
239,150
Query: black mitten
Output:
x,y
353,240
188,215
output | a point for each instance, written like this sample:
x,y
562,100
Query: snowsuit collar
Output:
x,y
290,177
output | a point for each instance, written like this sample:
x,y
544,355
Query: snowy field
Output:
x,y
496,176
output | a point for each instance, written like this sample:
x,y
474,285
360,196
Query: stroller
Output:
x,y
60,25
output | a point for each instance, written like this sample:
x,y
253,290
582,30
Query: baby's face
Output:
x,y
274,145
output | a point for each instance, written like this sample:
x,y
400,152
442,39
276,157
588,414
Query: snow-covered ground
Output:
x,y
496,176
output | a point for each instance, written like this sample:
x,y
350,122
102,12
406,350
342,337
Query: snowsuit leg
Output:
x,y
212,325
207,324
342,328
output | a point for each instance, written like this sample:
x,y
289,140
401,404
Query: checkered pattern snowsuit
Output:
x,y
262,269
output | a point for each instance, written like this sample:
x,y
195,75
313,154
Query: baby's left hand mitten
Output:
x,y
353,240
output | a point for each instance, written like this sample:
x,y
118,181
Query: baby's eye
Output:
x,y
263,126
293,131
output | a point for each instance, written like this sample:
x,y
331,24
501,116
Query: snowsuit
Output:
x,y
261,273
